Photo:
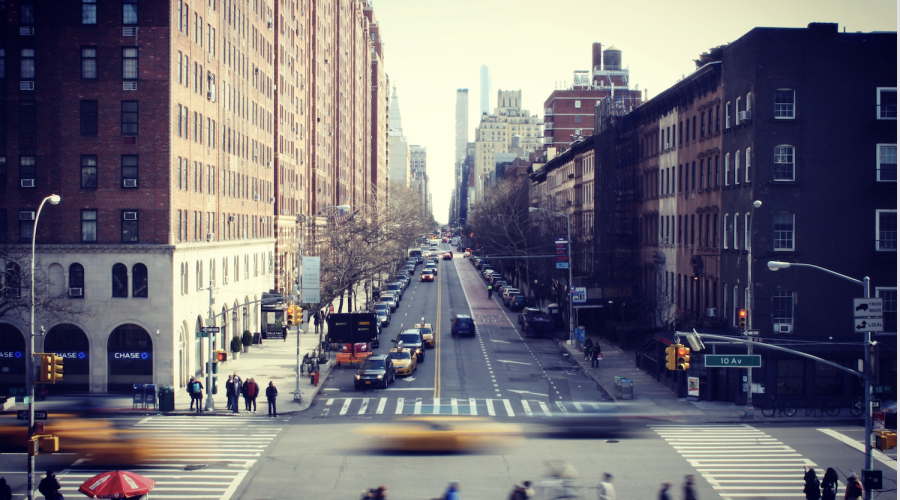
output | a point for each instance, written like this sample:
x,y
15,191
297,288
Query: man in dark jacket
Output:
x,y
190,391
236,392
689,488
595,355
229,392
49,487
196,389
271,394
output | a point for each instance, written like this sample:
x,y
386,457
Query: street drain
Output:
x,y
612,440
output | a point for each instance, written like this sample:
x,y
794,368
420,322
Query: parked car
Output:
x,y
462,324
388,298
377,369
507,292
486,274
517,302
383,309
396,287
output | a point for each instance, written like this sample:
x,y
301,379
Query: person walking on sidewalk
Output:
x,y
689,488
664,492
49,487
829,484
271,394
812,487
854,490
452,492
588,346
196,390
595,355
190,391
252,392
605,490
5,490
316,322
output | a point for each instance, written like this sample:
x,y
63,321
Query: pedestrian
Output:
x,y
236,392
49,487
854,490
588,346
190,391
664,492
5,490
490,291
829,484
379,493
452,492
271,394
229,392
689,488
595,355
252,392
605,490
522,492
196,394
316,322
812,487
244,387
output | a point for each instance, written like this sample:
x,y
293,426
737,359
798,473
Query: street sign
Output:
x,y
750,333
868,308
868,324
15,391
202,335
210,329
38,415
876,403
38,427
882,389
579,295
562,253
744,361
310,280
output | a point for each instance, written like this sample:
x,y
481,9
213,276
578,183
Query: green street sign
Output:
x,y
720,360
202,335
882,389
15,391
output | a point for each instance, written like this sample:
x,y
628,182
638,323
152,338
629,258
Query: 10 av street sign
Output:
x,y
721,360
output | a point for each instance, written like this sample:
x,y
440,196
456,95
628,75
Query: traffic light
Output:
x,y
670,357
684,358
885,440
289,321
742,319
56,368
46,376
221,356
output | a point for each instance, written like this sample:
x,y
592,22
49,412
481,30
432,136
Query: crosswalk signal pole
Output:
x,y
210,404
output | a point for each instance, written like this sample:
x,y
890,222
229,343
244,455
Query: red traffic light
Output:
x,y
743,313
682,351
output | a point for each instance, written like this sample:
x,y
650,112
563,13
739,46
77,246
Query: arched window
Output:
x,y
76,281
139,280
119,280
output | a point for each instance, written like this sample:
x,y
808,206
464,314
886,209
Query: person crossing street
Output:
x,y
271,394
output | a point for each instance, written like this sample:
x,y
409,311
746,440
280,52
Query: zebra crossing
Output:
x,y
740,461
192,457
453,406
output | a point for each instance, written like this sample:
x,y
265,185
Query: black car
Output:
x,y
517,302
462,324
376,370
412,339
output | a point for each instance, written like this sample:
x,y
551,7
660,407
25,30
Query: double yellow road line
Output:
x,y
437,342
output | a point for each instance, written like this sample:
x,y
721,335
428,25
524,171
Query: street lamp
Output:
x,y
867,342
299,286
29,362
568,263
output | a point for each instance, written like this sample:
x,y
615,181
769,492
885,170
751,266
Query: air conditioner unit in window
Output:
x,y
783,328
129,31
26,215
744,115
76,292
129,85
210,236
27,183
230,218
29,85
710,312
271,200
26,30
129,215
129,183
209,96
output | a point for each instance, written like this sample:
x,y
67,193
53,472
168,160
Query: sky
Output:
x,y
433,47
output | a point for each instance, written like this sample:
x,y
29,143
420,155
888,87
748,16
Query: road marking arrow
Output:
x,y
514,362
528,392
501,341
408,379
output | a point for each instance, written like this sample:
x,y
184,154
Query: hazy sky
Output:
x,y
434,47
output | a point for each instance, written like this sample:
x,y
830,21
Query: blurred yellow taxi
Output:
x,y
428,334
405,363
440,433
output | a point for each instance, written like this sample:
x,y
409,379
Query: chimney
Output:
x,y
596,57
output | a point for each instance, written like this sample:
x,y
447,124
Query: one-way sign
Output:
x,y
210,329
38,415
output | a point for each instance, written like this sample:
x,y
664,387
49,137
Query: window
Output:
x,y
129,117
886,162
747,231
577,118
27,167
747,161
737,111
119,280
784,104
129,226
784,163
89,171
725,232
89,63
89,117
26,225
139,280
783,307
578,104
886,100
889,299
26,64
734,232
728,114
886,230
783,227
2,186
129,12
737,167
727,168
76,280
2,63
129,63
129,170
789,377
88,11
27,118
26,12
734,302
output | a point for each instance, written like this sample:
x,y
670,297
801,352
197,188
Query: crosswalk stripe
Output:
x,y
345,407
509,409
490,407
562,407
473,409
364,406
577,406
399,406
436,409
526,407
418,410
328,403
381,405
454,407
545,408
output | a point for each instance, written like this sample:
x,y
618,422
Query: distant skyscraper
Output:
x,y
462,124
485,90
398,164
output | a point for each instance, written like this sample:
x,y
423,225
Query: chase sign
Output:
x,y
130,355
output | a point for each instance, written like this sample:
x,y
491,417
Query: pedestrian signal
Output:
x,y
684,358
670,357
221,356
56,369
742,319
46,376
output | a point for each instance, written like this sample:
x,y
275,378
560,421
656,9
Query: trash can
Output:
x,y
617,388
627,388
150,395
138,396
166,398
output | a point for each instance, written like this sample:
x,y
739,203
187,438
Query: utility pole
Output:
x,y
210,404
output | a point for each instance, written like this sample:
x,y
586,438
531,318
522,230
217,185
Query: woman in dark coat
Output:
x,y
829,484
595,353
811,488
588,346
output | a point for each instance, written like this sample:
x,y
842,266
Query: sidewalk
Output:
x,y
274,360
654,398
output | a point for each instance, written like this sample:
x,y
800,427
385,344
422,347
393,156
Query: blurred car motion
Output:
x,y
440,434
600,419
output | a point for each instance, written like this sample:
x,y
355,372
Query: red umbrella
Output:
x,y
117,484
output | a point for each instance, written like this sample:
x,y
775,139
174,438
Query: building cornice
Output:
x,y
137,249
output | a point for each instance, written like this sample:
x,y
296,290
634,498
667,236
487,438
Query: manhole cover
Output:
x,y
612,440
195,467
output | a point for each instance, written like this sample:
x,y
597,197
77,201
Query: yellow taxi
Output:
x,y
403,359
440,433
428,333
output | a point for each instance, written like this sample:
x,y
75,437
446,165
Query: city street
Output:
x,y
498,375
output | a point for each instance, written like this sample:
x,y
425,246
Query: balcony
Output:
x,y
548,126
548,140
548,111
